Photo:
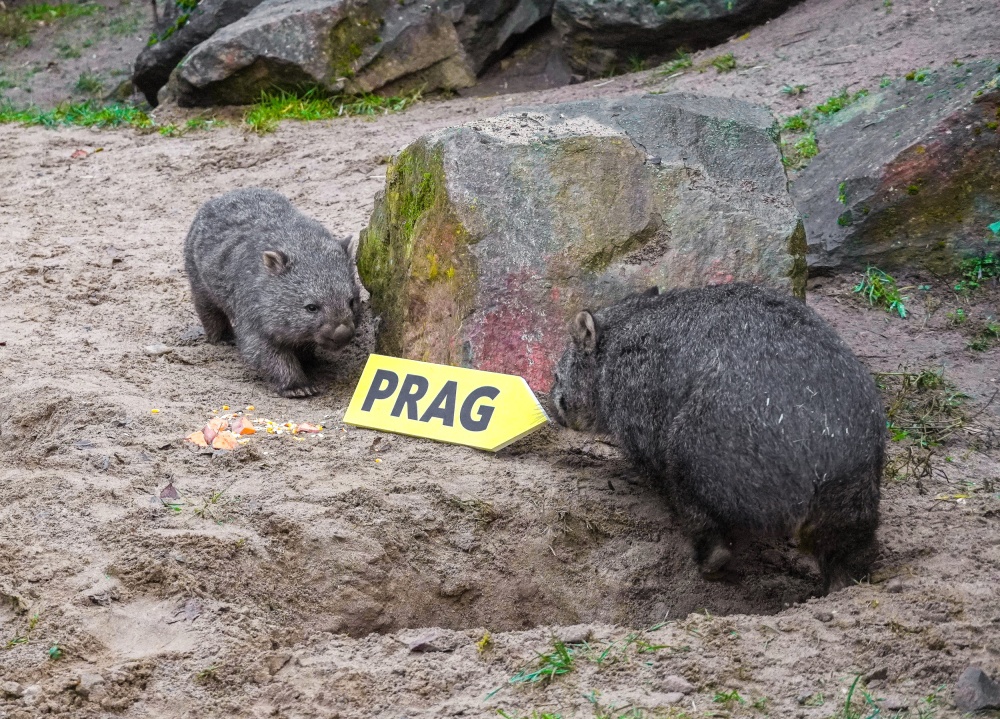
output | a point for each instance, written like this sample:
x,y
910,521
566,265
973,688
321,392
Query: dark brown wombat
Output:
x,y
748,407
274,280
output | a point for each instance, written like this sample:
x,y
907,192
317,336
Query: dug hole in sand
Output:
x,y
297,576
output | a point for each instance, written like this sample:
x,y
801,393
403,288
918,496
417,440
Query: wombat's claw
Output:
x,y
719,576
298,392
712,567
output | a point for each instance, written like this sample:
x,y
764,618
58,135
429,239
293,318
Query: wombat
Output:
x,y
274,280
747,406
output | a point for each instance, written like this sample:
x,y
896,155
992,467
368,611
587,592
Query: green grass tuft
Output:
x,y
311,105
729,699
977,269
868,709
43,12
723,63
796,123
985,338
880,289
834,104
918,75
636,64
261,118
921,407
679,64
794,90
797,151
89,83
84,114
550,665
14,26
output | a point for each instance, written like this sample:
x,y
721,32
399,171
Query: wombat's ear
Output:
x,y
275,261
651,292
585,331
345,242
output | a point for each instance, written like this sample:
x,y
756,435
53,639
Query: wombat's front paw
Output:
x,y
303,391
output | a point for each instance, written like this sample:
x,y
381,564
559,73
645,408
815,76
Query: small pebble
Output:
x,y
157,350
11,689
672,684
895,704
653,159
824,616
894,585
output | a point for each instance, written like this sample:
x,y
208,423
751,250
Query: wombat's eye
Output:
x,y
312,308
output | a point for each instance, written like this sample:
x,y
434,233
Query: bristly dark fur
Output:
x,y
275,281
751,410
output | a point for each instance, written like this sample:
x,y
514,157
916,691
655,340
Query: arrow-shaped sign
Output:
x,y
485,410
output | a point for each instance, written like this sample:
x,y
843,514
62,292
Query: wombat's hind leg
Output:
x,y
844,555
711,550
213,320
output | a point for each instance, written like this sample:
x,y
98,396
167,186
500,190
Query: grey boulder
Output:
x,y
156,61
601,36
909,175
347,46
488,237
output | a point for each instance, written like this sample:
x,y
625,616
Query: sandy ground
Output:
x,y
299,577
100,48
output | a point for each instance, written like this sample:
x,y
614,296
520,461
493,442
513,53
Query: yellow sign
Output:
x,y
485,410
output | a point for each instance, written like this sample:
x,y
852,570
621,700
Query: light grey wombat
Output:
x,y
274,280
747,406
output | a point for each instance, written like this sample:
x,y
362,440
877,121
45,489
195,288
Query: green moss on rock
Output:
x,y
417,246
349,38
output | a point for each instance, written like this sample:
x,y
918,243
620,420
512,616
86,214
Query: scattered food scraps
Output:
x,y
154,411
225,432
78,154
198,438
224,440
212,429
242,425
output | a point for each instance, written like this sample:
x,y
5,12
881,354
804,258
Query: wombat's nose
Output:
x,y
339,336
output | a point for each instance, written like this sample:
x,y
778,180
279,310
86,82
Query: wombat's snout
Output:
x,y
334,336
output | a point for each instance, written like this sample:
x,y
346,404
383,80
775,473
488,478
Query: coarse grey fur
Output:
x,y
275,281
749,408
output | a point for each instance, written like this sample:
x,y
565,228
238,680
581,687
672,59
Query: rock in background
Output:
x,y
487,28
602,36
351,46
157,61
488,237
906,176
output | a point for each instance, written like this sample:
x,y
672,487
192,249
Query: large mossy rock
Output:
x,y
602,36
351,46
908,176
155,63
488,237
